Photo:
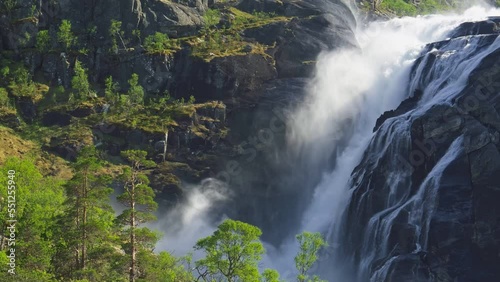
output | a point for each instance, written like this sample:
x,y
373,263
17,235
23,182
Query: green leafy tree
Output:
x,y
80,82
135,92
162,267
115,33
43,41
211,17
270,275
232,253
88,219
65,36
138,199
21,84
158,43
310,244
111,91
35,203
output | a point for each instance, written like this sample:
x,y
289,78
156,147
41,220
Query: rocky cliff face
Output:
x,y
423,204
243,92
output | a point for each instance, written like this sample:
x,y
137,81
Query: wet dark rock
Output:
x,y
83,111
404,107
268,6
490,26
56,118
221,78
463,234
10,119
267,34
303,39
27,108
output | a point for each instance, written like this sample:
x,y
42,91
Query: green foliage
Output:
x,y
21,85
24,39
58,94
80,83
159,43
4,72
399,7
86,227
232,253
4,98
211,17
162,267
310,244
111,91
33,10
115,32
65,36
136,33
8,5
270,275
43,41
135,92
218,42
263,15
38,201
138,199
408,8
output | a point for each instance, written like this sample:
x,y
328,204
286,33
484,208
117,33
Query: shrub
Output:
x,y
4,98
65,35
80,83
42,41
211,17
159,43
114,32
135,92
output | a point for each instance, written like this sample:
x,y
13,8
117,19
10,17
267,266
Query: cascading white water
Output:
x,y
352,88
190,220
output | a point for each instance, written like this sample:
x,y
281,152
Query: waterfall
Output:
x,y
351,89
193,218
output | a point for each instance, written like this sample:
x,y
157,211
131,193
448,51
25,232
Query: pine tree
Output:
x,y
135,92
115,33
65,36
111,91
80,83
43,41
88,220
138,198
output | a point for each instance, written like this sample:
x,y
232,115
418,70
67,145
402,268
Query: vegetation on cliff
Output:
x,y
412,7
75,132
66,230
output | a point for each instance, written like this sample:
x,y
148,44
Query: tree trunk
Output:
x,y
78,226
84,222
132,234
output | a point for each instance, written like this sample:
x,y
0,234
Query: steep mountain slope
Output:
x,y
423,202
